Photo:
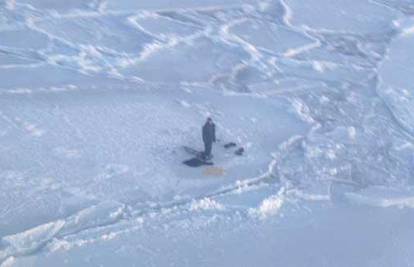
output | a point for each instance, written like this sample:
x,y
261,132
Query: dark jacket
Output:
x,y
209,133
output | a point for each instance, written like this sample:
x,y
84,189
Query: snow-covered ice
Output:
x,y
98,98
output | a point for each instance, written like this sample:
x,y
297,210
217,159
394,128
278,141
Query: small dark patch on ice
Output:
x,y
230,145
239,152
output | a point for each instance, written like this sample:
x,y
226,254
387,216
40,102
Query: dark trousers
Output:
x,y
208,146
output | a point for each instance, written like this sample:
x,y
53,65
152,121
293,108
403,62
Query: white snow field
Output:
x,y
98,98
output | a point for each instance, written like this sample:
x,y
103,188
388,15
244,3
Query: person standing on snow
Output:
x,y
209,136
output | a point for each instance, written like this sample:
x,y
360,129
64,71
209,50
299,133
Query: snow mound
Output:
x,y
101,214
33,239
268,208
206,204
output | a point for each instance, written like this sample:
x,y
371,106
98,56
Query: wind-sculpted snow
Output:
x,y
397,76
271,38
362,17
384,197
32,240
167,5
98,98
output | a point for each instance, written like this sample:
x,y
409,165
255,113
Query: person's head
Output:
x,y
209,120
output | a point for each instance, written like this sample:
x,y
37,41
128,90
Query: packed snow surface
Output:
x,y
98,98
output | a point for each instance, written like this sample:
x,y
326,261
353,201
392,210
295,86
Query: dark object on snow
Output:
x,y
239,152
198,158
209,136
197,162
230,145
